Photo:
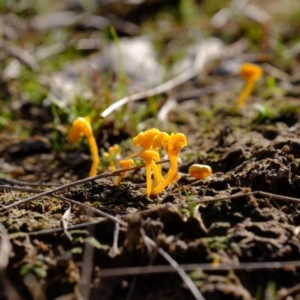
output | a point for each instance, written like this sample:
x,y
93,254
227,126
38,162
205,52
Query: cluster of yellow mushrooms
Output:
x,y
152,140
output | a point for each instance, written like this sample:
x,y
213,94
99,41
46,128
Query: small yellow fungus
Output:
x,y
151,140
80,127
125,164
172,145
251,73
200,171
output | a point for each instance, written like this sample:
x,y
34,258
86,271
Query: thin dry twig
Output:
x,y
87,265
20,54
254,193
148,211
249,266
26,183
60,229
209,50
19,188
173,263
70,201
92,210
5,251
114,250
72,184
284,293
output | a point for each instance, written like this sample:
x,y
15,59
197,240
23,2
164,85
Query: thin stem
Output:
x,y
148,180
246,92
95,155
170,176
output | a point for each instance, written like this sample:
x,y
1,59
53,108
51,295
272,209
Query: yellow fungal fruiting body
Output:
x,y
151,140
251,73
172,145
82,127
125,164
200,171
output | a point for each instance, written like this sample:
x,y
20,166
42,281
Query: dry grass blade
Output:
x,y
64,222
114,250
35,287
283,294
256,193
5,251
60,229
187,280
63,187
250,266
5,248
72,184
20,54
209,50
70,201
92,210
18,188
26,183
87,265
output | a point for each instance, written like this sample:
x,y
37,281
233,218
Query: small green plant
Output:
x,y
37,268
272,89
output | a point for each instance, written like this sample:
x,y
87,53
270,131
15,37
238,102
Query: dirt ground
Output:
x,y
236,234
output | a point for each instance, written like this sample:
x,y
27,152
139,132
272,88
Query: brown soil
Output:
x,y
241,225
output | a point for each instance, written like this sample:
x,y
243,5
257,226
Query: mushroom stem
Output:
x,y
95,156
148,156
125,164
148,180
157,176
246,92
170,176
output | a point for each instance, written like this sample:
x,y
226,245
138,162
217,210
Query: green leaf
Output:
x,y
91,240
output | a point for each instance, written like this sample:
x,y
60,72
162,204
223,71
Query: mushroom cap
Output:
x,y
81,126
179,140
200,171
157,142
149,155
126,163
250,71
145,139
174,142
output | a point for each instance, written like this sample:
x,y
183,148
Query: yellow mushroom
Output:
x,y
82,127
251,73
172,145
200,171
125,164
150,140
